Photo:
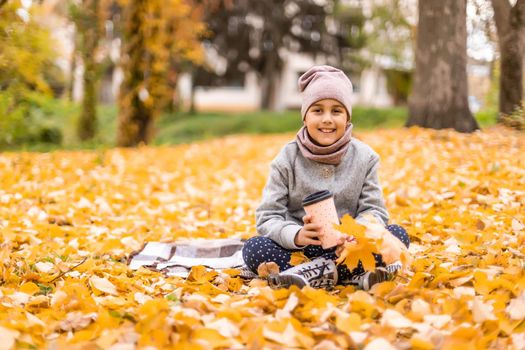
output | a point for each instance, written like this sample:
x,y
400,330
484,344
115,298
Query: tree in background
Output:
x,y
156,34
510,24
439,97
251,35
87,15
346,24
391,41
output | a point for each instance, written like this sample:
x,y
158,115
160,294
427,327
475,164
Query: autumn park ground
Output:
x,y
70,219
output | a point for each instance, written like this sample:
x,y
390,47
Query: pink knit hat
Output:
x,y
321,82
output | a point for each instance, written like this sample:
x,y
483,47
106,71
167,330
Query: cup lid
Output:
x,y
316,197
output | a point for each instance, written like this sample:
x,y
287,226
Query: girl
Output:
x,y
323,156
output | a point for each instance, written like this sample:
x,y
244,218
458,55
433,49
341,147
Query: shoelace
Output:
x,y
394,267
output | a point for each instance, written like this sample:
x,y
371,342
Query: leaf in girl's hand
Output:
x,y
350,226
359,250
298,258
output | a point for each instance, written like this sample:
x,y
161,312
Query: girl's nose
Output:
x,y
327,117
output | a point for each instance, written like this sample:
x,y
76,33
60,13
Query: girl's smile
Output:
x,y
326,121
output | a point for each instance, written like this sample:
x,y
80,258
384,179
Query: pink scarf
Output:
x,y
331,154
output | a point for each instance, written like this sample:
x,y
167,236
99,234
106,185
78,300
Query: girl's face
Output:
x,y
326,121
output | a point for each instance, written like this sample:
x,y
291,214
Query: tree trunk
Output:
x,y
135,121
269,83
193,109
439,96
90,36
511,75
510,25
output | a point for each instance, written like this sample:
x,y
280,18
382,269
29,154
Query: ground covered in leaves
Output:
x,y
69,220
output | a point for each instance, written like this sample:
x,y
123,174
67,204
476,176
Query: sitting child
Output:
x,y
323,156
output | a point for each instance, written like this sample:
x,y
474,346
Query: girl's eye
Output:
x,y
336,111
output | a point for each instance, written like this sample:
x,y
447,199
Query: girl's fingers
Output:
x,y
307,219
310,241
312,227
313,233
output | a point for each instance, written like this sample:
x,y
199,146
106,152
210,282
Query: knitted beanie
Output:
x,y
323,82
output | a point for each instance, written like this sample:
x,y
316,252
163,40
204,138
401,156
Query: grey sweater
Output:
x,y
354,183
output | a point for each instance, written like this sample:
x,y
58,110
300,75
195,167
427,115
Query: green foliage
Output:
x,y
487,116
399,84
37,118
27,72
515,120
392,35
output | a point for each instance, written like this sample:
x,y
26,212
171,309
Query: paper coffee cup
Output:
x,y
320,206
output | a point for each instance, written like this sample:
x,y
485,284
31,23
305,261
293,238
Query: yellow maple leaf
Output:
x,y
360,249
200,274
298,258
348,322
267,268
234,284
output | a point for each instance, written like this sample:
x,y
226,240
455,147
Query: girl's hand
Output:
x,y
344,240
308,234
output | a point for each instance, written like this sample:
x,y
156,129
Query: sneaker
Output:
x,y
394,267
366,280
318,273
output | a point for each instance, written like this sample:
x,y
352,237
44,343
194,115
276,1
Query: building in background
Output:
x,y
369,89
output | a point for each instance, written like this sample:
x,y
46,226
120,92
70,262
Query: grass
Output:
x,y
174,129
177,128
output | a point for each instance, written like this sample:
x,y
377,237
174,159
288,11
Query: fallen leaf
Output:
x,y
482,311
348,322
394,319
45,267
75,321
516,307
298,258
8,337
103,284
267,268
379,344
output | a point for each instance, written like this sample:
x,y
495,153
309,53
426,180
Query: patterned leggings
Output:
x,y
259,249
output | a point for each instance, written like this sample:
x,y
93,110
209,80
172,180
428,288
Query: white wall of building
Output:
x,y
230,98
372,92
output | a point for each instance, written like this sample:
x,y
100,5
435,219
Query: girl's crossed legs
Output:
x,y
259,249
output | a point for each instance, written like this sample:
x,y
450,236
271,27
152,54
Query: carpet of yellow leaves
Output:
x,y
68,221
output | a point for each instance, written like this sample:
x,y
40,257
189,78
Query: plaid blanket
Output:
x,y
177,258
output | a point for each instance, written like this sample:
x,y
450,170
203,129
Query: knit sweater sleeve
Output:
x,y
271,213
371,198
